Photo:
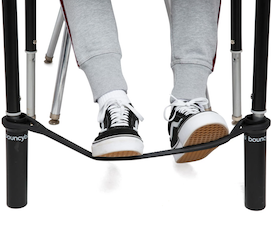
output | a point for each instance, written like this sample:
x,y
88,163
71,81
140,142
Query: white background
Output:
x,y
76,200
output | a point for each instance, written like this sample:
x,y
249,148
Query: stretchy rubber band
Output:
x,y
241,127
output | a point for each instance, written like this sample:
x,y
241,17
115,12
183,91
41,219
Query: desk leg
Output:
x,y
236,49
16,140
30,43
255,141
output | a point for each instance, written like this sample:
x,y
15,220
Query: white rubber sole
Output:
x,y
119,146
201,128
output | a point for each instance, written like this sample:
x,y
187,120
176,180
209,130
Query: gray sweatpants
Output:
x,y
94,36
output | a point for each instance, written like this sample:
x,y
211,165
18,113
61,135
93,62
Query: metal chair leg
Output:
x,y
57,29
61,77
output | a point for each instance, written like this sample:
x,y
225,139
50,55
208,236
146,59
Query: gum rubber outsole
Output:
x,y
204,134
121,154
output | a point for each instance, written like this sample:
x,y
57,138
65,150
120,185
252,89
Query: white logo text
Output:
x,y
255,140
17,138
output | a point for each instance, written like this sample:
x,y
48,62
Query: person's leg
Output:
x,y
94,36
193,25
93,31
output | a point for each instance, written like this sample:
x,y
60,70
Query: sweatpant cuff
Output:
x,y
104,74
190,81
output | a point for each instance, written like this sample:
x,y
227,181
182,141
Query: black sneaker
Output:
x,y
190,124
119,131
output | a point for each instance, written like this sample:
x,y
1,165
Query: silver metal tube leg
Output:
x,y
61,77
236,87
30,78
57,29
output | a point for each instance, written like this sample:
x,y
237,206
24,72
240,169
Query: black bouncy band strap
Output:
x,y
243,126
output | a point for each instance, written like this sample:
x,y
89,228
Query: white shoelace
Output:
x,y
119,113
186,107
